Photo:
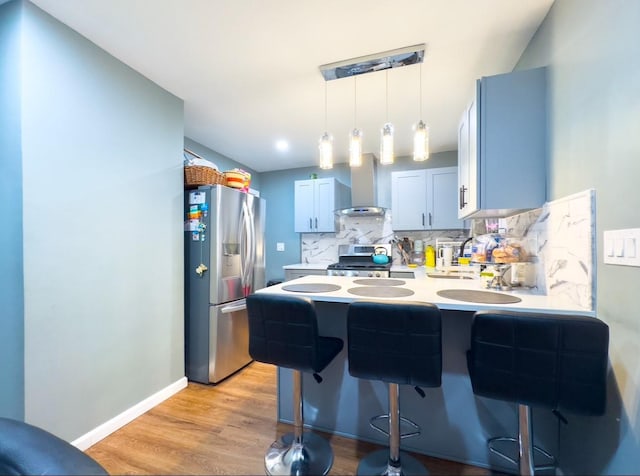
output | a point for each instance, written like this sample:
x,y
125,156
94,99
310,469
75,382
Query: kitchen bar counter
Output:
x,y
455,423
425,290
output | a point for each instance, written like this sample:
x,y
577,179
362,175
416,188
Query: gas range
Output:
x,y
356,261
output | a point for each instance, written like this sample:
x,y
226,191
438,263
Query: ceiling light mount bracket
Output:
x,y
372,63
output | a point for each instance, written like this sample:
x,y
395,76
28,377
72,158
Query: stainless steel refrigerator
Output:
x,y
224,262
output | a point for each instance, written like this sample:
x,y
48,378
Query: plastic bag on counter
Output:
x,y
483,246
509,251
495,248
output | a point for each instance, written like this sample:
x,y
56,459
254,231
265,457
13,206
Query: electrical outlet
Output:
x,y
279,246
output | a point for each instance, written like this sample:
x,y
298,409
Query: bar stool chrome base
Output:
x,y
523,446
285,457
551,460
377,463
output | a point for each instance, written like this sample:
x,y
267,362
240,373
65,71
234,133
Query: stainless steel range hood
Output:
x,y
363,190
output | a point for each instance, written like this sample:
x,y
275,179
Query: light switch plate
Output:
x,y
279,246
621,247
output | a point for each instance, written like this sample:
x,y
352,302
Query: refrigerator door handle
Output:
x,y
238,306
252,243
243,244
252,250
246,249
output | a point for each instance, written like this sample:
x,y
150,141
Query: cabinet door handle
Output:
x,y
316,223
460,199
463,189
310,223
423,219
429,218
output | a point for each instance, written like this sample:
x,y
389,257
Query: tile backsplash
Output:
x,y
559,237
323,247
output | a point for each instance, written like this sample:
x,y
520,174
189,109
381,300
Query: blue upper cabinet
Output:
x,y
502,146
424,199
315,203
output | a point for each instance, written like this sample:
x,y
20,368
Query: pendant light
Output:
x,y
386,140
355,138
420,133
325,146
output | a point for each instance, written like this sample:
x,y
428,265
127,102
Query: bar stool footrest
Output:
x,y
416,432
551,464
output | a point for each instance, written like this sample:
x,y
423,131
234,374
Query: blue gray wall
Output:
x,y
278,189
592,49
11,277
103,239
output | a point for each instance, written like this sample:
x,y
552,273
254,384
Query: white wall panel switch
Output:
x,y
279,246
608,245
621,247
630,247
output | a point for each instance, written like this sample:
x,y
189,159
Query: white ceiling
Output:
x,y
248,73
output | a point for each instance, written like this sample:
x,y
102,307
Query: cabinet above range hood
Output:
x,y
363,191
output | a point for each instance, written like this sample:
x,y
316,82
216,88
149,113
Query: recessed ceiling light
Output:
x,y
282,145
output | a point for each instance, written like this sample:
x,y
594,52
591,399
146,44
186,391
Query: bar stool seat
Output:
x,y
400,344
555,361
283,331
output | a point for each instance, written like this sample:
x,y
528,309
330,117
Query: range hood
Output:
x,y
363,191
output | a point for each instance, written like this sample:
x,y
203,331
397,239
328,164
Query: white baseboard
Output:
x,y
92,437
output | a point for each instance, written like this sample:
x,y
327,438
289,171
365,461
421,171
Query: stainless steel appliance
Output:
x,y
357,261
224,262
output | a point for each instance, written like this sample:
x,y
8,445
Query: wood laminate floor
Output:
x,y
224,429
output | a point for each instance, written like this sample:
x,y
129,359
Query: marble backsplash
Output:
x,y
559,237
323,247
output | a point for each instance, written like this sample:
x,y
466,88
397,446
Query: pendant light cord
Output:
x,y
325,106
355,93
386,80
420,91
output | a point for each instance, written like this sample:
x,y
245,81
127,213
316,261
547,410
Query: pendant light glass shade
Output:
x,y
386,144
355,148
420,133
420,142
386,139
325,147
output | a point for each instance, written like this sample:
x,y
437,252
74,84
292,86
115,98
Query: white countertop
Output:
x,y
425,289
306,266
324,266
394,268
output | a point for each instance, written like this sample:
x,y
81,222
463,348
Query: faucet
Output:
x,y
461,254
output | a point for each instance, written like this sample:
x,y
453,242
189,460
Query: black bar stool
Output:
x,y
401,344
283,331
26,449
551,361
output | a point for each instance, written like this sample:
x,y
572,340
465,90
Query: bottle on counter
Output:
x,y
417,258
430,257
